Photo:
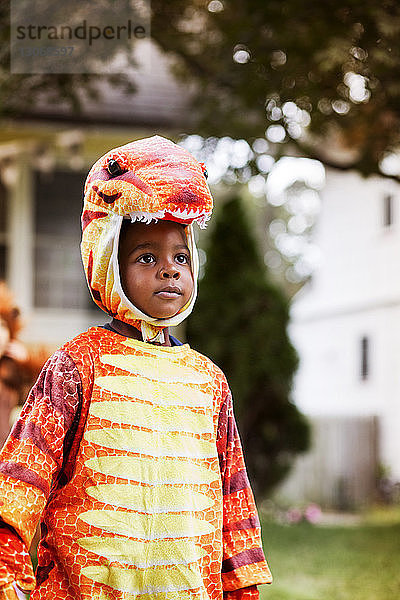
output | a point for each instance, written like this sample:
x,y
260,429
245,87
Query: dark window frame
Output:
x,y
365,358
58,268
388,210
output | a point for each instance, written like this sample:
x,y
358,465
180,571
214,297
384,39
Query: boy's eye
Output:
x,y
146,259
183,259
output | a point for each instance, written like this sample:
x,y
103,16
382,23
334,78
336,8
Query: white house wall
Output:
x,y
354,294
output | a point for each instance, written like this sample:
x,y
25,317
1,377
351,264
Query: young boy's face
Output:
x,y
155,269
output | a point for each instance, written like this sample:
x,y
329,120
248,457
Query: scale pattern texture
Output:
x,y
154,502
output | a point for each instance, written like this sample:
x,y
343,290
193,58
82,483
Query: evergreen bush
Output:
x,y
240,322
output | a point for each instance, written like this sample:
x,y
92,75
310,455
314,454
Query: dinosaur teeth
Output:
x,y
180,212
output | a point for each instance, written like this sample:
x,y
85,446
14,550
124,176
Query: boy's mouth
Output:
x,y
169,292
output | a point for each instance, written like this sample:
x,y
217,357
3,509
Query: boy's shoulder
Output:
x,y
83,347
86,339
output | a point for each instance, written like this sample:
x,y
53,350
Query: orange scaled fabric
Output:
x,y
155,501
12,550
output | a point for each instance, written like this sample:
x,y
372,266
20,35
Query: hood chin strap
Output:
x,y
151,334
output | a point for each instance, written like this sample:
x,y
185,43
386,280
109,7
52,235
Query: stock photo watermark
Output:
x,y
75,37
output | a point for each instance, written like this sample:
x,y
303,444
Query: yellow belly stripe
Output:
x,y
108,596
147,527
152,471
139,581
154,417
152,443
182,595
103,596
144,554
175,394
149,499
155,368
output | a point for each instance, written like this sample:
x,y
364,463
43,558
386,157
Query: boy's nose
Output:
x,y
167,272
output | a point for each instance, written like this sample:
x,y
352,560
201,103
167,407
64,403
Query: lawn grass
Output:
x,y
333,563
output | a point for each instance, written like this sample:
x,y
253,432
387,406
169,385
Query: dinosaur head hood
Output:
x,y
146,180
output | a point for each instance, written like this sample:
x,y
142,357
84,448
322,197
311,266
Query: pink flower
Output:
x,y
313,513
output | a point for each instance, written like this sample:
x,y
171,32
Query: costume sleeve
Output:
x,y
15,565
244,565
33,457
247,593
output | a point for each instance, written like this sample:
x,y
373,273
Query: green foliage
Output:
x,y
240,322
250,65
250,59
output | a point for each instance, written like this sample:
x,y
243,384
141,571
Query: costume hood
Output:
x,y
146,180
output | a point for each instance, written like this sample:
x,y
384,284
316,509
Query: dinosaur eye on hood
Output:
x,y
205,172
114,168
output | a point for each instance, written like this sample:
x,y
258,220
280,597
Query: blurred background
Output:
x,y
294,108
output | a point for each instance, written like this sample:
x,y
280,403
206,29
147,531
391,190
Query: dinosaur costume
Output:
x,y
127,450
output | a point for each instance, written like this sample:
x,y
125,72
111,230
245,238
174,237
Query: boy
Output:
x,y
127,446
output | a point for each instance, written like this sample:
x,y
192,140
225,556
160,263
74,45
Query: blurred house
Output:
x,y
44,158
346,328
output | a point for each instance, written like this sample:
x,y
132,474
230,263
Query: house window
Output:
x,y
388,210
59,278
365,358
3,231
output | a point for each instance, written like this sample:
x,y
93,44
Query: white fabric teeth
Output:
x,y
146,217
